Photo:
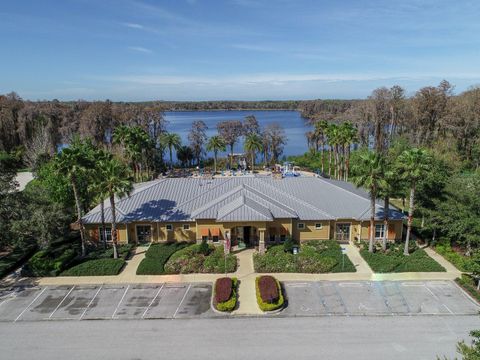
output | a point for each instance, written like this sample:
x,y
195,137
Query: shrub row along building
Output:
x,y
251,211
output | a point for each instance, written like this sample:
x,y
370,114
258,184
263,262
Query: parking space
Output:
x,y
146,301
377,298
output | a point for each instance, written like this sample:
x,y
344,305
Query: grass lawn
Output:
x,y
191,259
156,257
315,256
393,260
99,262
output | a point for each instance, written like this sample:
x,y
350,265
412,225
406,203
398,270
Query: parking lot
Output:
x,y
174,301
146,301
377,298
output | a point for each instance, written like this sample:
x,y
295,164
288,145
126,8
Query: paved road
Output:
x,y
369,338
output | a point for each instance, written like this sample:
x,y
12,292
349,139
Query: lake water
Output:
x,y
292,122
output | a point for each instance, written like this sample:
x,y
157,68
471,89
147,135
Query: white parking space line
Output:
x,y
450,311
350,284
184,296
431,292
413,283
60,303
151,302
90,303
298,285
118,305
36,297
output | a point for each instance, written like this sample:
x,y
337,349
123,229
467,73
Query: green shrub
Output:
x,y
204,248
315,256
468,284
394,261
100,253
156,257
14,259
191,260
265,306
231,303
50,262
288,245
98,267
462,263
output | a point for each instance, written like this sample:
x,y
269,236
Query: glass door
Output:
x,y
342,232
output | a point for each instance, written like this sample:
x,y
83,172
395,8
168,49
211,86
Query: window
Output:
x,y
301,226
108,233
205,238
379,231
186,226
215,238
169,227
283,238
318,226
272,238
144,233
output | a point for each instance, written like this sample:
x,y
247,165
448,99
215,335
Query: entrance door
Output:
x,y
342,232
247,230
144,234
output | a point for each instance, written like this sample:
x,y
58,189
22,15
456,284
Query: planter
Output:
x,y
225,294
269,293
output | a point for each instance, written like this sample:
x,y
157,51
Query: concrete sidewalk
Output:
x,y
245,270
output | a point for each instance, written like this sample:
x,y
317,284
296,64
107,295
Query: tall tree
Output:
x,y
216,144
75,162
320,130
116,181
185,155
413,165
197,138
171,141
349,136
253,144
369,173
332,135
230,131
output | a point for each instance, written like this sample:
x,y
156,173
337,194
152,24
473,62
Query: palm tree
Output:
x,y
216,144
369,174
253,143
96,186
116,181
75,162
332,135
349,136
171,141
319,134
185,155
413,165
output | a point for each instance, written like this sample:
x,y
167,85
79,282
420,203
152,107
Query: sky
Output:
x,y
138,50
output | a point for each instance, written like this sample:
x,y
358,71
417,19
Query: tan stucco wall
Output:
x,y
395,229
310,232
92,231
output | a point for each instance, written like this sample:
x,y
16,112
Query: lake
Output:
x,y
180,122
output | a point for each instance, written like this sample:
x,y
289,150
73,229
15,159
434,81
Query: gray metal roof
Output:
x,y
243,199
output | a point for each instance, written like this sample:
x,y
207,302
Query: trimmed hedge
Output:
x,y
14,259
393,261
468,284
315,256
269,293
192,260
222,301
223,289
462,263
156,257
98,267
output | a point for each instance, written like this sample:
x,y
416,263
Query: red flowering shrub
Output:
x,y
223,289
268,287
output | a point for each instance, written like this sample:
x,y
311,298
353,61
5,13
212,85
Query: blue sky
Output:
x,y
234,49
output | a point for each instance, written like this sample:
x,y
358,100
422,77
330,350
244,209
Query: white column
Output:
x,y
261,242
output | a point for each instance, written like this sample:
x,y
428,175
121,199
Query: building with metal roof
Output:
x,y
245,210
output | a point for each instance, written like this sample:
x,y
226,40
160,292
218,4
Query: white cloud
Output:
x,y
133,26
140,49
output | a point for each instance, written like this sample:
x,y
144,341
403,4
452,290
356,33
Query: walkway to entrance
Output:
x,y
247,301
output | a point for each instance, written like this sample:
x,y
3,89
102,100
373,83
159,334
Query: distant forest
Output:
x,y
433,115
